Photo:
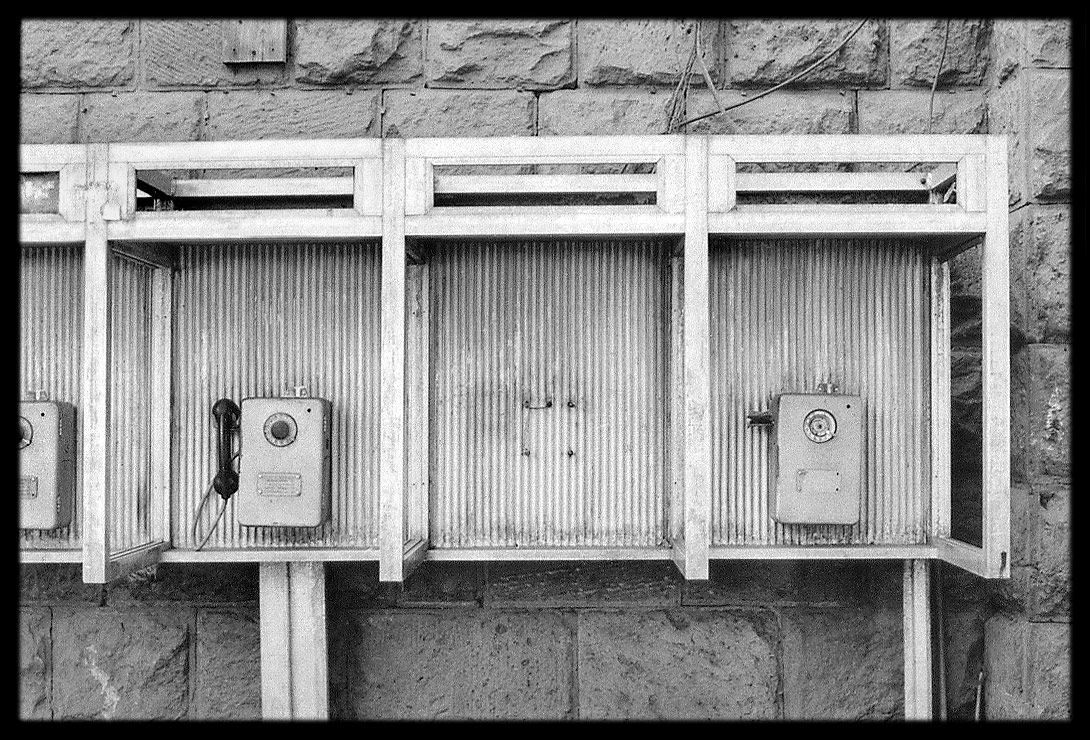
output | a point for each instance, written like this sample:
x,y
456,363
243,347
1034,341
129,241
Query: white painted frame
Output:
x,y
424,219
363,220
988,195
978,164
696,185
65,228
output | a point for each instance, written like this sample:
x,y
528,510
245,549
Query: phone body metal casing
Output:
x,y
47,464
818,458
284,481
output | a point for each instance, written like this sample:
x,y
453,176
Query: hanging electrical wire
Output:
x,y
679,96
704,69
935,84
788,81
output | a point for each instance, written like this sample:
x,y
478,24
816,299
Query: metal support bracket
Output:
x,y
294,658
917,637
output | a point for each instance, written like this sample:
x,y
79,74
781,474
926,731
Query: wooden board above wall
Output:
x,y
254,41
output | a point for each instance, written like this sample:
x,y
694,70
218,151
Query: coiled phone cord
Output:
x,y
200,509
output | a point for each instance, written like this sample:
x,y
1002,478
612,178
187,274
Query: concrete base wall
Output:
x,y
594,640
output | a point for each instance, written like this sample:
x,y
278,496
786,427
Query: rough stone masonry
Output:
x,y
759,640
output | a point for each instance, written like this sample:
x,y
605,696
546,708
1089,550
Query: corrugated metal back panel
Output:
x,y
252,320
131,365
788,314
549,366
50,357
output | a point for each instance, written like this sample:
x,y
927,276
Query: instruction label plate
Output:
x,y
279,484
28,486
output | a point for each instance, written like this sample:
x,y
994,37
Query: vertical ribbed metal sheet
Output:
x,y
250,321
50,357
789,314
549,371
131,366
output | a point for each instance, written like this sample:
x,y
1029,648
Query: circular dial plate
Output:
x,y
275,429
819,426
26,432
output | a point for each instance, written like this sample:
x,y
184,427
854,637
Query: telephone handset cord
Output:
x,y
200,508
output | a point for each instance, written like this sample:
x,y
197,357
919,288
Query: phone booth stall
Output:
x,y
50,365
678,348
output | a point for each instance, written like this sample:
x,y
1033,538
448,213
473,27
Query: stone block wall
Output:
x,y
182,643
142,80
758,640
473,640
1028,640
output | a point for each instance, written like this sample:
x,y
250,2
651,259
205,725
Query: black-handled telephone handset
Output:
x,y
227,415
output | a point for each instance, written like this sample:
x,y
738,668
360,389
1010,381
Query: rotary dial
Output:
x,y
819,426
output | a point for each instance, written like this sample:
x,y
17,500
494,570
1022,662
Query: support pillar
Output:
x,y
917,637
294,677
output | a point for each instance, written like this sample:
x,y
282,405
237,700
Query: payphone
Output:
x,y
47,463
817,460
283,477
285,470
